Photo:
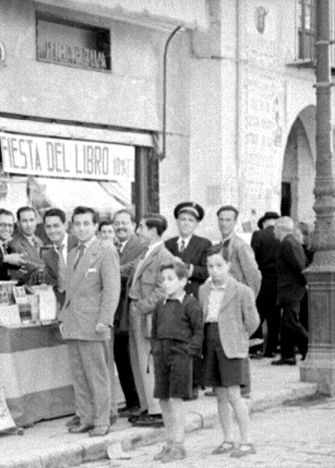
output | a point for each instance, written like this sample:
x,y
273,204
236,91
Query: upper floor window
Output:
x,y
306,30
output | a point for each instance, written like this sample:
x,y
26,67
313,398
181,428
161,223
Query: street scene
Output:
x,y
167,233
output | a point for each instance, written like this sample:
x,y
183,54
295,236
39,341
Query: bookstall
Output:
x,y
34,367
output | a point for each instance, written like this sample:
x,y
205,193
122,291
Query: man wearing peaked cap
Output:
x,y
192,250
189,207
265,246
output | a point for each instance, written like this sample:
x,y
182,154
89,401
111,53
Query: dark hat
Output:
x,y
189,207
267,215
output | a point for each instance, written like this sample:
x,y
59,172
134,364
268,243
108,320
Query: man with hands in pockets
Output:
x,y
92,295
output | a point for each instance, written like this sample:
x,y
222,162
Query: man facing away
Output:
x,y
27,243
265,245
291,289
55,258
92,295
145,291
129,247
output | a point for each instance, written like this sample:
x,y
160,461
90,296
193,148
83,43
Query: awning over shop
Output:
x,y
190,13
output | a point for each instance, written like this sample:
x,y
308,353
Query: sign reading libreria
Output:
x,y
53,157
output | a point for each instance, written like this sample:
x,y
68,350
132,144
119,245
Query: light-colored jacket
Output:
x,y
238,316
244,267
92,292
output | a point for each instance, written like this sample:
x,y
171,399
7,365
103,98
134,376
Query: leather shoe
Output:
x,y
75,421
99,431
284,361
81,429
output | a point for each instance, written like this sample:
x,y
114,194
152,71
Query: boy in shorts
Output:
x,y
177,335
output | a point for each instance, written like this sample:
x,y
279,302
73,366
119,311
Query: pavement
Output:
x,y
48,444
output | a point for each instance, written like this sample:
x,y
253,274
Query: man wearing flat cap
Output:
x,y
192,250
265,246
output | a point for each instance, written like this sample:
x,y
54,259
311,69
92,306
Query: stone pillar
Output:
x,y
320,363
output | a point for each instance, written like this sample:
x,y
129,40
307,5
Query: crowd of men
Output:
x,y
106,277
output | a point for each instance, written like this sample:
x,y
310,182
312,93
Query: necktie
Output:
x,y
182,246
61,269
80,253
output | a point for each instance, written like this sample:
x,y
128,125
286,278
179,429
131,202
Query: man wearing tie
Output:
x,y
192,250
92,295
145,291
55,258
25,242
129,247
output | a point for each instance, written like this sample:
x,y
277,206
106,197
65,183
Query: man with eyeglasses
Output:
x,y
7,259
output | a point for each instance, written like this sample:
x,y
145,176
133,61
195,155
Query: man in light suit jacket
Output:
x,y
55,257
92,295
145,291
27,243
129,247
243,265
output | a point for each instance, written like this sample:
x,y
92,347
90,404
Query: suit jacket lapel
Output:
x,y
148,260
89,258
230,292
127,250
190,250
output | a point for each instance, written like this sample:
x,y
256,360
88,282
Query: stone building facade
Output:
x,y
240,104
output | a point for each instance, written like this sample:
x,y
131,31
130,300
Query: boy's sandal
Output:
x,y
225,447
243,451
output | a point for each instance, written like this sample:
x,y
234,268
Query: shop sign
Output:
x,y
65,54
52,157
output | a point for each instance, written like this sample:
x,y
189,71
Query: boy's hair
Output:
x,y
155,220
217,249
84,210
178,267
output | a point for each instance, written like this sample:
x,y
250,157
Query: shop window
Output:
x,y
69,43
306,30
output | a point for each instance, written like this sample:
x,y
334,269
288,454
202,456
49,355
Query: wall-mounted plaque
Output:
x,y
72,44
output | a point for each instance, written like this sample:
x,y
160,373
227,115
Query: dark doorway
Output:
x,y
286,199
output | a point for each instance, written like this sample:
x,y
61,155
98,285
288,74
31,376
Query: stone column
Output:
x,y
320,363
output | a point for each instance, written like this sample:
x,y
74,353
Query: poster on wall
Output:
x,y
62,158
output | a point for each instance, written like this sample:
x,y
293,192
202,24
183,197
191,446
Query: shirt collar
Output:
x,y
227,238
215,287
185,239
88,243
180,298
153,246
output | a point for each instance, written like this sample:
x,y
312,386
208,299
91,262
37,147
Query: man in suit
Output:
x,y
265,245
145,291
92,295
55,257
27,243
129,247
106,231
240,255
291,289
8,260
192,250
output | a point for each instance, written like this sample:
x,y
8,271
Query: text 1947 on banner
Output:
x,y
53,157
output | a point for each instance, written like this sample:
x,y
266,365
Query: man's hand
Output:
x,y
101,327
14,259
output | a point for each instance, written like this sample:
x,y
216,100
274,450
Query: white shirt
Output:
x,y
186,242
214,303
63,248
